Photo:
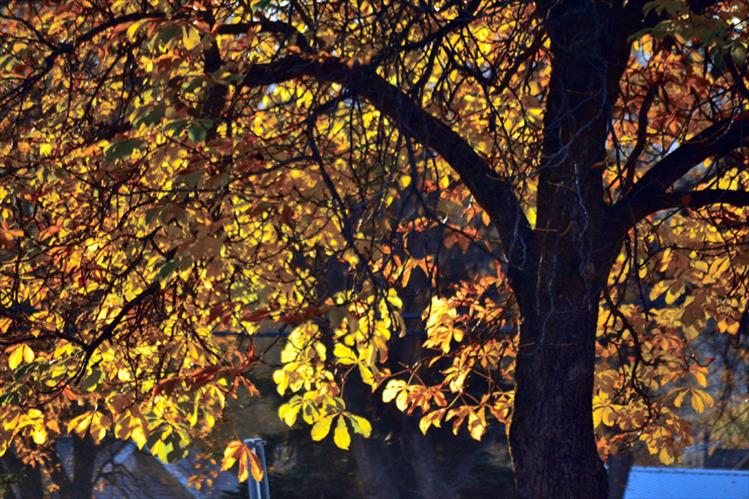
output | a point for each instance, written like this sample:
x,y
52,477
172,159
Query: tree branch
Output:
x,y
650,191
69,47
493,193
694,200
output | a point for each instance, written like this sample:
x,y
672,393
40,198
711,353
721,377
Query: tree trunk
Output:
x,y
29,486
375,469
551,436
81,484
552,441
619,466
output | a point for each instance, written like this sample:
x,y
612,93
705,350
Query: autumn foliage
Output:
x,y
172,170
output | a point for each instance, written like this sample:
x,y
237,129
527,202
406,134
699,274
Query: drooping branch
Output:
x,y
493,193
651,194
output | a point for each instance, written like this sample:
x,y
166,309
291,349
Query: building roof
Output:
x,y
686,483
732,459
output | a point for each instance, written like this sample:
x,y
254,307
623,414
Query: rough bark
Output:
x,y
551,437
552,440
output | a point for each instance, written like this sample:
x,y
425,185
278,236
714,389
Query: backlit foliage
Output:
x,y
171,169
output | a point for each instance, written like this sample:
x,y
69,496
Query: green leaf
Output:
x,y
11,398
122,149
176,127
738,53
261,5
151,215
165,36
194,83
24,370
132,31
91,381
190,179
167,269
177,447
149,117
196,132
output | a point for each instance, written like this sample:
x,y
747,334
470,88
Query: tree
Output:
x,y
73,467
171,169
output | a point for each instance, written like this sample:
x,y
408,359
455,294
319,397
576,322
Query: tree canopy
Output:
x,y
539,192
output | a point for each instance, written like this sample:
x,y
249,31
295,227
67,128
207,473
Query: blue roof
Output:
x,y
686,483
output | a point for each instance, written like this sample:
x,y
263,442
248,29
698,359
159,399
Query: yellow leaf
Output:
x,y
21,354
476,425
360,425
190,37
282,380
673,293
341,436
344,355
679,399
99,425
132,30
139,437
666,457
231,454
79,425
658,289
532,216
93,422
691,332
424,424
237,451
394,299
321,428
288,412
15,358
53,425
28,354
701,400
697,404
392,389
320,349
39,435
597,417
366,375
401,401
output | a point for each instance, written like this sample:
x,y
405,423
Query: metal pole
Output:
x,y
258,490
